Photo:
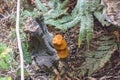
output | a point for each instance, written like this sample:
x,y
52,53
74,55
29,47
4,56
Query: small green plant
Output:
x,y
27,55
5,78
5,56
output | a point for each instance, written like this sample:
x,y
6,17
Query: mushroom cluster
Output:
x,y
60,45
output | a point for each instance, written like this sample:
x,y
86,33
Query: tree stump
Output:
x,y
40,41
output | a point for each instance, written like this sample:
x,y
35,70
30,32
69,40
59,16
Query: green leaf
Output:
x,y
82,32
26,54
96,59
71,23
3,65
40,6
89,28
5,78
51,3
100,17
2,47
52,22
5,56
54,14
63,5
77,8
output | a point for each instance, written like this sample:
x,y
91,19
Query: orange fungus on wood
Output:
x,y
60,45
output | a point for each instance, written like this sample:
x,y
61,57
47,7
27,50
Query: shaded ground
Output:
x,y
111,71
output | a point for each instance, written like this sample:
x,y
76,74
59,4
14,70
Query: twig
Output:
x,y
5,17
8,14
19,40
2,15
104,77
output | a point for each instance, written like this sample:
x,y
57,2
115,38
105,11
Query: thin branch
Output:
x,y
19,40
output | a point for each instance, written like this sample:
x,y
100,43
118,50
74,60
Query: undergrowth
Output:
x,y
56,15
6,61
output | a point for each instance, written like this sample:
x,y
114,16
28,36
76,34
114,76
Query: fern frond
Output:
x,y
86,29
100,17
89,28
71,23
82,32
60,5
63,5
76,10
52,22
58,9
62,25
66,19
51,4
55,14
95,60
57,5
40,6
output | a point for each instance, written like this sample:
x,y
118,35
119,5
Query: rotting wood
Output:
x,y
40,41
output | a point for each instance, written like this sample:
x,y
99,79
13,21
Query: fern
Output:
x,y
64,26
99,16
40,6
76,10
89,29
82,13
53,23
54,14
58,10
72,23
82,32
63,5
95,60
51,4
65,19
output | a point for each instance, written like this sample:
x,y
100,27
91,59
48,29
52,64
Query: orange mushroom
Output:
x,y
63,53
60,45
57,40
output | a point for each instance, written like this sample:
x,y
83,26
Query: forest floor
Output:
x,y
110,71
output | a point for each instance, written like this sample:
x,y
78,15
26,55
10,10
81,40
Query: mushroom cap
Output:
x,y
62,46
57,40
63,53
